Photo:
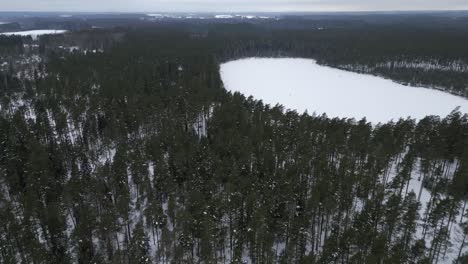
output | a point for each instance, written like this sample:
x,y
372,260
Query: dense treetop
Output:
x,y
129,150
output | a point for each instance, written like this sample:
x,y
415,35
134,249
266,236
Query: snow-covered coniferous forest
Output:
x,y
234,138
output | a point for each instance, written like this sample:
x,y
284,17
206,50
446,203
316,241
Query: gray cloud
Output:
x,y
229,5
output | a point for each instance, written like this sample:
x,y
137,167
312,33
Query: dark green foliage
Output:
x,y
138,155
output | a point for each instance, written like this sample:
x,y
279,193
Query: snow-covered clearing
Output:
x,y
302,84
34,33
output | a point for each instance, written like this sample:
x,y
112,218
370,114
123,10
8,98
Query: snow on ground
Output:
x,y
424,196
4,23
224,16
302,84
455,233
34,33
247,16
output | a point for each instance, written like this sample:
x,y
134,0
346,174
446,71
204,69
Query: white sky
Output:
x,y
229,5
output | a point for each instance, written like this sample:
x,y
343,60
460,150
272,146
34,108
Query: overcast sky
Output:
x,y
229,5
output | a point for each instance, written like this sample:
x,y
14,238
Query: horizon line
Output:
x,y
252,11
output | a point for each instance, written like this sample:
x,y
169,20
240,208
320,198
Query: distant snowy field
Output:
x,y
302,84
34,33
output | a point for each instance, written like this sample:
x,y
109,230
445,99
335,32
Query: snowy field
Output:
x,y
34,33
302,84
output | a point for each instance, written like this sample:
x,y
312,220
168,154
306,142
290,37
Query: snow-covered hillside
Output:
x,y
302,84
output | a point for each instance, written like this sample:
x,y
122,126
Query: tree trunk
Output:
x,y
461,248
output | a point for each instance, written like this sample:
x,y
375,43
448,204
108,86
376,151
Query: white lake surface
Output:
x,y
34,33
302,84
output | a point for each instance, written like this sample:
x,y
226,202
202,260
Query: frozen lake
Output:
x,y
34,33
302,84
